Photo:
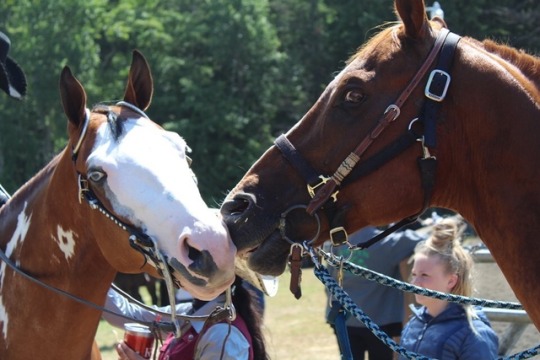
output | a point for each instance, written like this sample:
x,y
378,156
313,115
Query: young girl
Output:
x,y
242,339
440,329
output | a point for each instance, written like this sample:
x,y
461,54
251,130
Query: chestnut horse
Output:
x,y
121,187
481,129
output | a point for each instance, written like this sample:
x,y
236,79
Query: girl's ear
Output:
x,y
452,281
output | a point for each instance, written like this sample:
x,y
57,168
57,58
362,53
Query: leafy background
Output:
x,y
230,75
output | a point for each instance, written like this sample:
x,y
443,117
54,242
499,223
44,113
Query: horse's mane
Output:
x,y
24,191
528,64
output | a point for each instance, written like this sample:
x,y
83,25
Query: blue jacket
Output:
x,y
449,335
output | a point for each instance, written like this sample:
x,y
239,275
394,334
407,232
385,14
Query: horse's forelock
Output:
x,y
376,39
113,119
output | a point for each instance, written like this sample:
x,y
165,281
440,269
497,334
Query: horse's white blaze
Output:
x,y
66,241
18,237
159,178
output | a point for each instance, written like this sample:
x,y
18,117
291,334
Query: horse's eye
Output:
x,y
354,96
96,176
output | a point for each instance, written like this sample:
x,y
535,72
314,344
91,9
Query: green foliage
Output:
x,y
230,75
42,43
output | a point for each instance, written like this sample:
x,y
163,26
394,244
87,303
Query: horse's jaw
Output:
x,y
270,257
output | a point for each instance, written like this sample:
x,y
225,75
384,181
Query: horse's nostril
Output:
x,y
238,205
193,253
202,262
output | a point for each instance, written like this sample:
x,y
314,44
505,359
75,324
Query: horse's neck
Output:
x,y
44,230
488,147
45,216
487,154
487,132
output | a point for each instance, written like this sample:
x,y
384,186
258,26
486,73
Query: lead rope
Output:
x,y
344,299
170,288
338,318
403,286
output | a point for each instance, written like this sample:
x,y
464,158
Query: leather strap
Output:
x,y
292,155
338,318
391,113
295,260
432,107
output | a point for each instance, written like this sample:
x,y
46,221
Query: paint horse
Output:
x,y
419,117
121,187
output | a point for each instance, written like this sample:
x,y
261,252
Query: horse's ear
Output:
x,y
73,98
140,85
414,17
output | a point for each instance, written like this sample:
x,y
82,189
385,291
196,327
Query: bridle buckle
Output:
x,y
437,85
83,187
313,189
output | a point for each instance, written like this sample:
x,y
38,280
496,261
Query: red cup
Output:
x,y
139,338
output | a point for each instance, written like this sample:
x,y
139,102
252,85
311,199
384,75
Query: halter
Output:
x,y
323,188
137,238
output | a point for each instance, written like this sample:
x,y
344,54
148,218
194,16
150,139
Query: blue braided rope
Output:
x,y
344,299
404,286
346,302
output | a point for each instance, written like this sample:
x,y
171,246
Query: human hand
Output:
x,y
126,353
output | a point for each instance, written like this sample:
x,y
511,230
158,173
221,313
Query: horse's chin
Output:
x,y
270,257
200,287
207,292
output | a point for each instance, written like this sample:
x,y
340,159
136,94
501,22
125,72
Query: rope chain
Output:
x,y
345,300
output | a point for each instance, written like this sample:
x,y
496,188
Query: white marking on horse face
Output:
x,y
146,171
66,241
151,184
18,237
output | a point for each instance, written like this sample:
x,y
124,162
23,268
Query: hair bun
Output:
x,y
447,233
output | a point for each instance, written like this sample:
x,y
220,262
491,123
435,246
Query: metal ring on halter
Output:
x,y
412,122
282,224
341,256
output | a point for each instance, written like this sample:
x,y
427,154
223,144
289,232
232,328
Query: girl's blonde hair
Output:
x,y
445,243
